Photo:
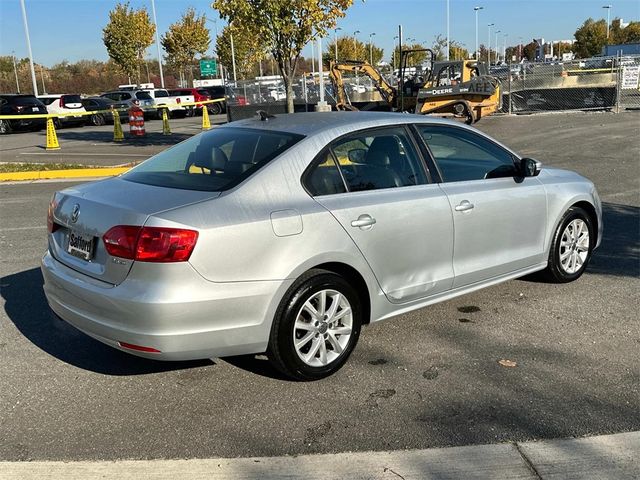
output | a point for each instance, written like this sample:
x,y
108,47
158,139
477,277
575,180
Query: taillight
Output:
x,y
120,241
62,102
52,226
178,100
150,244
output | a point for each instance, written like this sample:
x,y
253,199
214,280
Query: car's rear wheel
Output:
x,y
571,247
97,119
316,327
215,108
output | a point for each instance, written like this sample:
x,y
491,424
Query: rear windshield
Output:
x,y
72,99
213,161
25,100
47,100
143,96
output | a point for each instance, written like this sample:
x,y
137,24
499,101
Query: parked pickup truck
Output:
x,y
173,103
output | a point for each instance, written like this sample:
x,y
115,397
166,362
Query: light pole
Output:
x,y
335,42
313,59
497,55
504,48
371,49
15,70
155,22
233,58
215,26
477,9
355,51
394,52
447,29
26,31
608,7
489,46
520,49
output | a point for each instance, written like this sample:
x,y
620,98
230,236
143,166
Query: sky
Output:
x,y
72,29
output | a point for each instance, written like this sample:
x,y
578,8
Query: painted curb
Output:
x,y
73,173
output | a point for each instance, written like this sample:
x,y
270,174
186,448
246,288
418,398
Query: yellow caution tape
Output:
x,y
83,114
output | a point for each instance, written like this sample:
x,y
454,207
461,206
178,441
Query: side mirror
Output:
x,y
530,167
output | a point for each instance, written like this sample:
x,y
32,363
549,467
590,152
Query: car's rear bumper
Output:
x,y
178,313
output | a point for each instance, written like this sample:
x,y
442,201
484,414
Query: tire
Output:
x,y
215,109
5,127
330,337
97,120
571,247
57,123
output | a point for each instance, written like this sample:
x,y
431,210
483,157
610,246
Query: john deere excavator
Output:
x,y
463,88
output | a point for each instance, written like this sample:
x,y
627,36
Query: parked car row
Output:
x,y
178,103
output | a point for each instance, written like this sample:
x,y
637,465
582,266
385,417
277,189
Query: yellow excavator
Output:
x,y
460,88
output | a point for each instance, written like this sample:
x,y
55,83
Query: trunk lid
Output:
x,y
83,214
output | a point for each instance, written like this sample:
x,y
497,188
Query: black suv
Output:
x,y
21,105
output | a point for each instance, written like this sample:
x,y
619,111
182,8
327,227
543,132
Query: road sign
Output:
x,y
208,67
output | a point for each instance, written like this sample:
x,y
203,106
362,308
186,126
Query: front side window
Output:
x,y
462,155
212,161
384,158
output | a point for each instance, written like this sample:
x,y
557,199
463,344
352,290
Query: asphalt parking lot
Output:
x,y
426,379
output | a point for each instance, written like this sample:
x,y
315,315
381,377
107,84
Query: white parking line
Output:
x,y
13,229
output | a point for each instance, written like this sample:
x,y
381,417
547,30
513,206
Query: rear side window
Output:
x,y
143,96
324,177
161,93
213,161
383,158
47,101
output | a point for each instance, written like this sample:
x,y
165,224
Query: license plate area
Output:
x,y
81,246
35,109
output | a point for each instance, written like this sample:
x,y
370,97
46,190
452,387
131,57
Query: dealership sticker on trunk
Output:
x,y
80,245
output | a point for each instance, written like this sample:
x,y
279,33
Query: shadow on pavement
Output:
x,y
27,308
619,252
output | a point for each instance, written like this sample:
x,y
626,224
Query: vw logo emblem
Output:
x,y
75,213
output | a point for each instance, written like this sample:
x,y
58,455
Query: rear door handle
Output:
x,y
364,221
464,206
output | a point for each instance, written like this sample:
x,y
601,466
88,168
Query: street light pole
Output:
x,y
15,70
608,7
355,51
233,59
489,44
477,9
447,29
335,42
371,49
155,22
497,56
504,47
26,31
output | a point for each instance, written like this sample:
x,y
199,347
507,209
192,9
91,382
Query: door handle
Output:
x,y
464,206
363,222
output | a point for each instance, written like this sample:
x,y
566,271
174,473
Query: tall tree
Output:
x,y
457,51
590,38
248,50
127,36
284,27
350,48
529,51
185,39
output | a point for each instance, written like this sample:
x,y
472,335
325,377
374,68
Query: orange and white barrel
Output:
x,y
136,122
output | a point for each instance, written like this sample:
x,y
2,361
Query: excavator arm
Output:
x,y
388,92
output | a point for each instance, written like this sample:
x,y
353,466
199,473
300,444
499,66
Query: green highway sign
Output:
x,y
208,67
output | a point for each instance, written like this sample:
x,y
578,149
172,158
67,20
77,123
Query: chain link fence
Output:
x,y
599,83
588,84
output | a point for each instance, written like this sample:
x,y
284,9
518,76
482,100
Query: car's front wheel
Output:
x,y
316,327
571,247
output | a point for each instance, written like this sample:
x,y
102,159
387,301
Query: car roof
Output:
x,y
334,123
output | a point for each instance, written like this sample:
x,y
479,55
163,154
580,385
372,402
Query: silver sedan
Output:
x,y
286,234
